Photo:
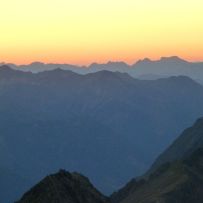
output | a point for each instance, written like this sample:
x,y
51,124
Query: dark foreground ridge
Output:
x,y
63,187
176,175
190,140
178,181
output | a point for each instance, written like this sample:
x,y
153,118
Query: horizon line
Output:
x,y
103,63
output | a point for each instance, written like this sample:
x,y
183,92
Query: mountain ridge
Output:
x,y
179,181
175,176
145,68
190,139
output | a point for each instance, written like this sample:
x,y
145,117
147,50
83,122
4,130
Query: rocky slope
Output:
x,y
183,146
178,181
176,175
63,187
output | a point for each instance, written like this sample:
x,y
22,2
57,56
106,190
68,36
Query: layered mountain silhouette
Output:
x,y
176,176
61,119
63,187
142,69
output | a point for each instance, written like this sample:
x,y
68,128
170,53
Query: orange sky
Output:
x,y
82,32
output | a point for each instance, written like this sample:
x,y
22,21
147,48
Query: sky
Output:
x,y
86,31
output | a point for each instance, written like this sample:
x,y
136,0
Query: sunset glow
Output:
x,y
81,32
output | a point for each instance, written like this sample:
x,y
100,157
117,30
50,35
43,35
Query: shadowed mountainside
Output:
x,y
183,146
176,176
178,181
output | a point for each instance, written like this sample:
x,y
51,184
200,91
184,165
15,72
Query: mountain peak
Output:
x,y
145,60
172,59
5,68
37,63
59,72
121,63
64,187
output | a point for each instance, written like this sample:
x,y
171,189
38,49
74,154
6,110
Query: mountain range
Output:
x,y
142,69
61,119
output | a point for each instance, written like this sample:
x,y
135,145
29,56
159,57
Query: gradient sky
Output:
x,y
85,31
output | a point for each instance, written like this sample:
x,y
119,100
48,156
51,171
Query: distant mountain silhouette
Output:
x,y
168,66
163,60
64,187
110,66
84,123
143,69
37,67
